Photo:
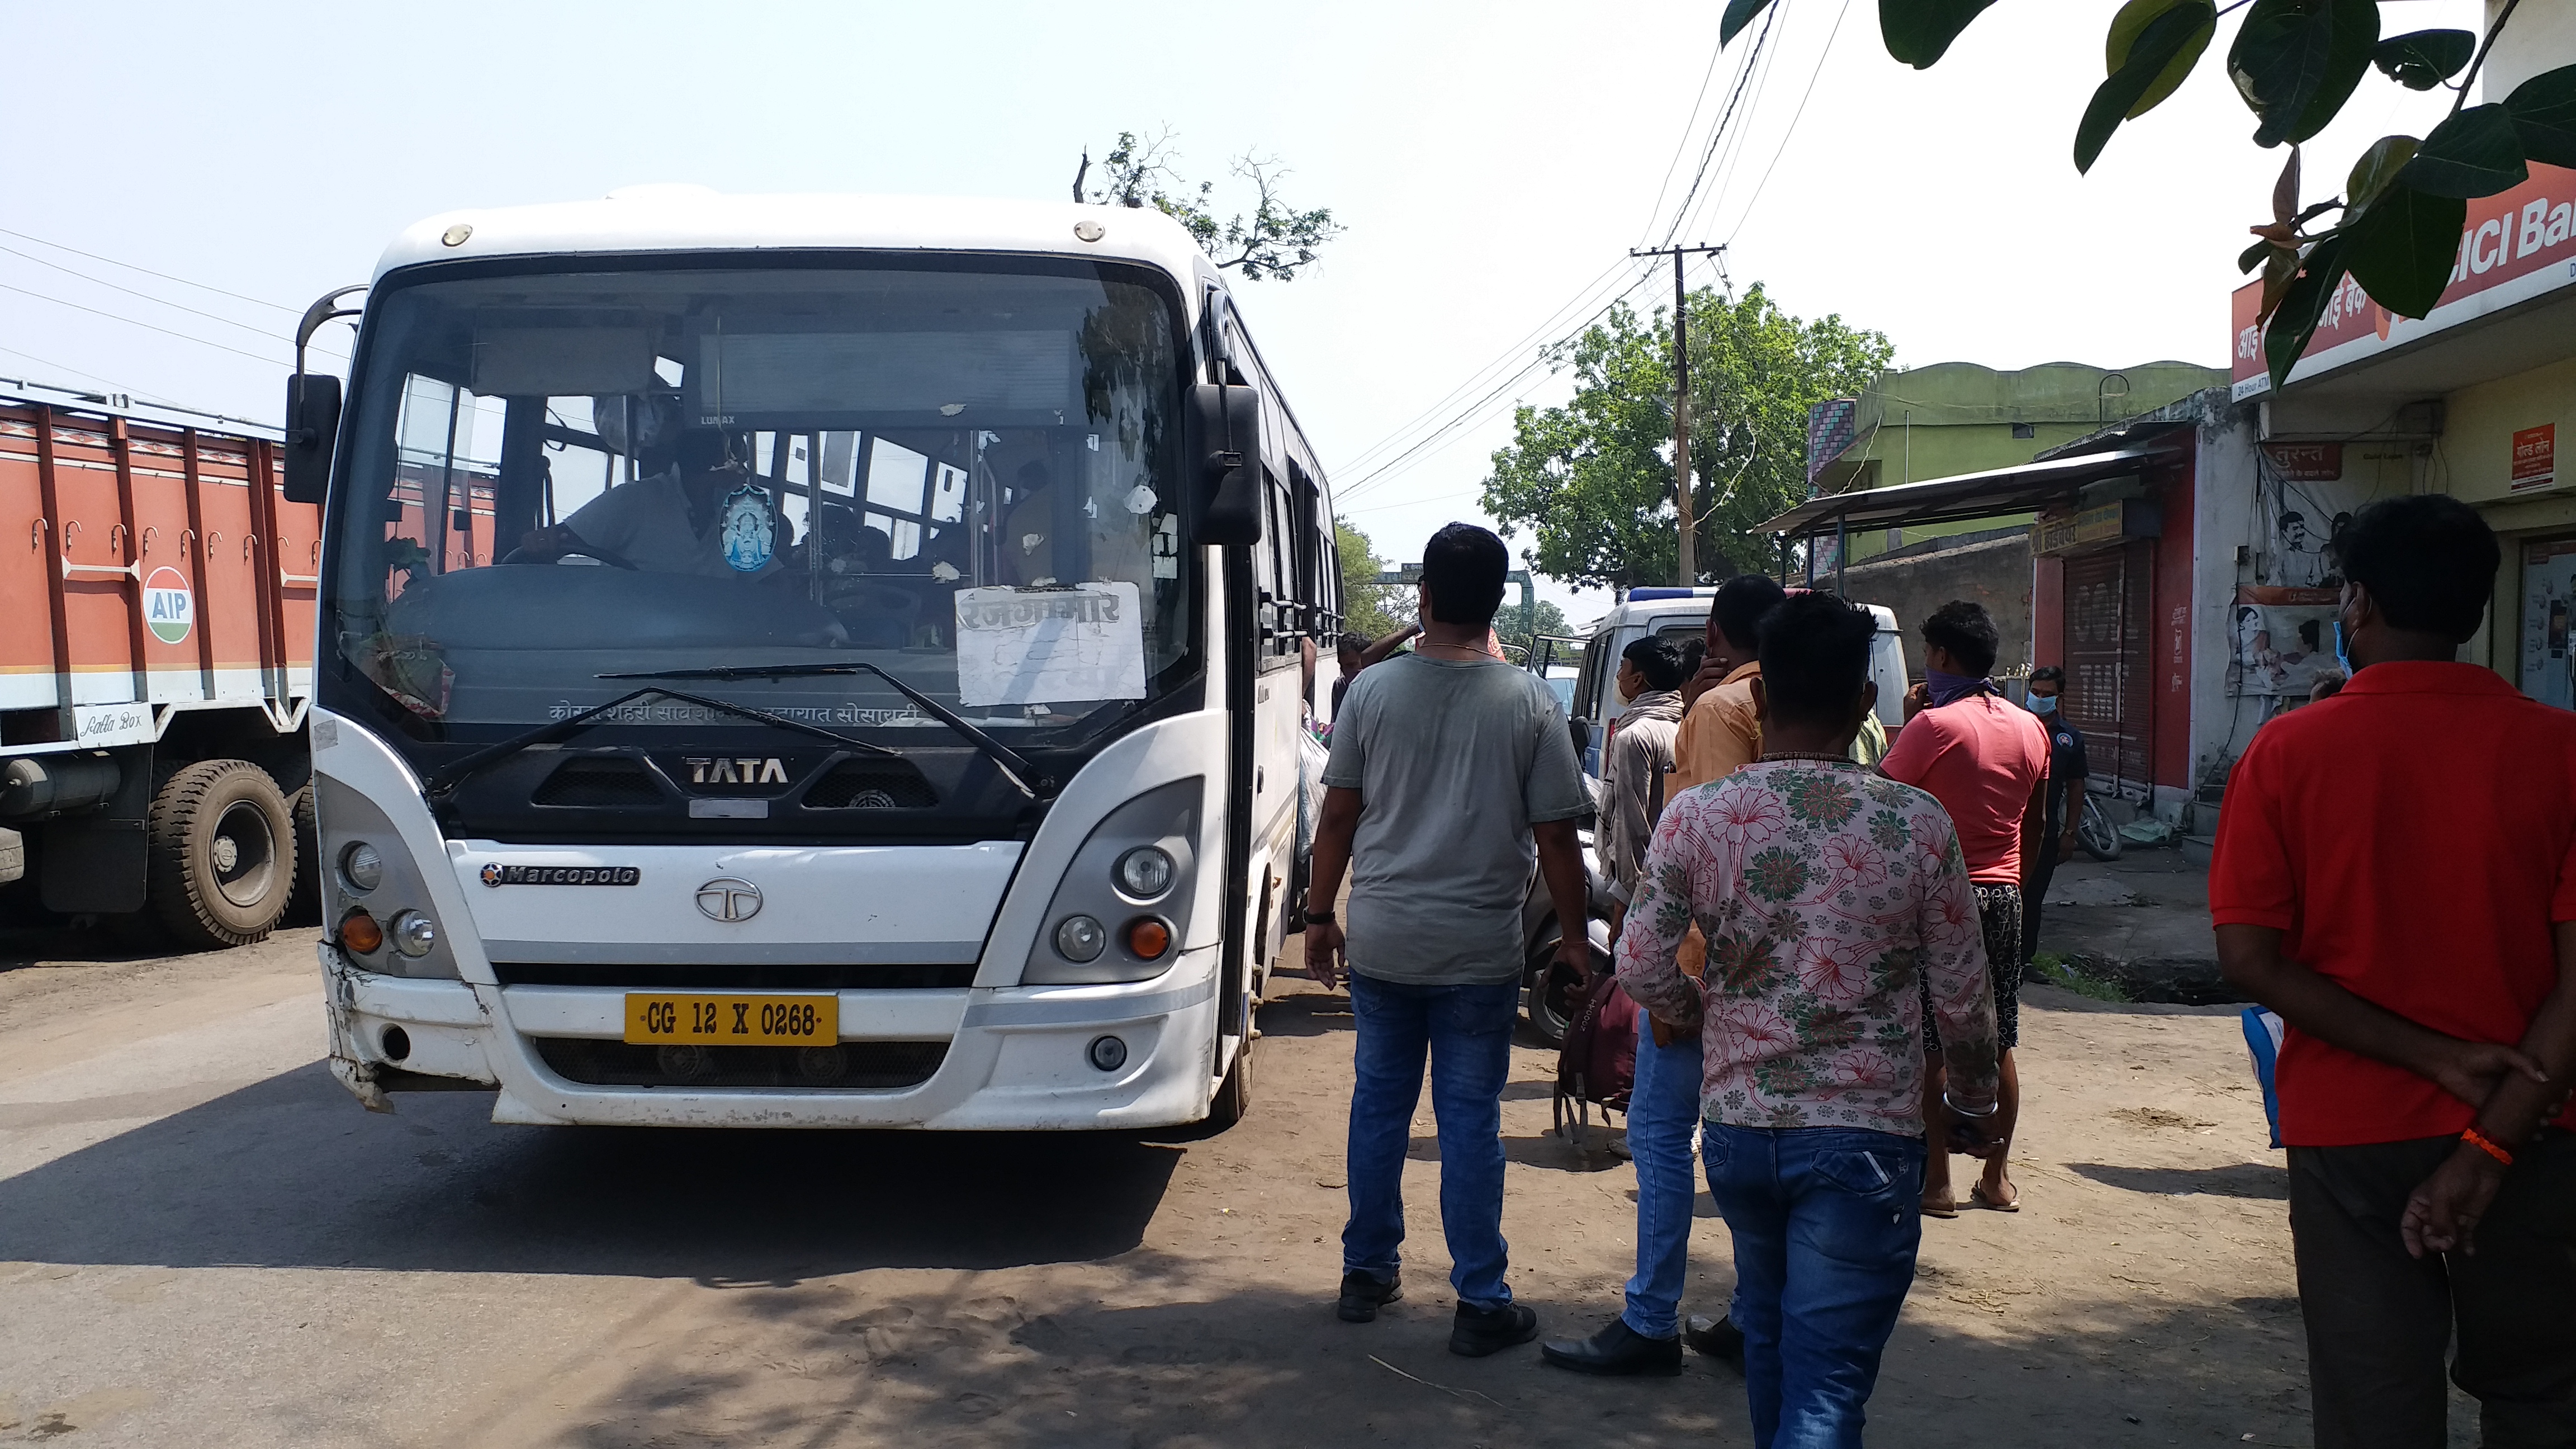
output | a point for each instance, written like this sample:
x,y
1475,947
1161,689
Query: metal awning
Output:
x,y
2025,489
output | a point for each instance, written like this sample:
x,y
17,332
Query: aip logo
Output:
x,y
168,606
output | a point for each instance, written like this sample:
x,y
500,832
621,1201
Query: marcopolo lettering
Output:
x,y
497,874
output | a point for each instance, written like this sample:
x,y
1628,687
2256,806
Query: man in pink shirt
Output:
x,y
1986,760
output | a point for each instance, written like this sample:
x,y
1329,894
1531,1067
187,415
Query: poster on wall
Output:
x,y
2278,639
2548,598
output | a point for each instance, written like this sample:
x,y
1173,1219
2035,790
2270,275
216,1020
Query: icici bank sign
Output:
x,y
2516,245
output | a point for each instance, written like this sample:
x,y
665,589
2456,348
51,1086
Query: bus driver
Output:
x,y
702,515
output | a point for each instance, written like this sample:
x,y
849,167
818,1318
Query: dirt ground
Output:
x,y
204,1241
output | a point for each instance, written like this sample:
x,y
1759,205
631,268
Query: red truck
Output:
x,y
156,664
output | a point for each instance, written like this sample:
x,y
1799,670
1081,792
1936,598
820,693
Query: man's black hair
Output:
x,y
1966,631
1739,606
1463,567
1694,648
2294,516
2312,633
2049,674
2429,562
1815,657
1353,642
1659,660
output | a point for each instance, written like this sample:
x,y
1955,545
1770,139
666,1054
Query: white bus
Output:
x,y
817,661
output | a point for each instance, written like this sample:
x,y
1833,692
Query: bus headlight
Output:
x,y
362,867
1144,853
1145,872
1081,938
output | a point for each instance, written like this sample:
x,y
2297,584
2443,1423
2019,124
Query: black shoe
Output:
x,y
1480,1331
1362,1294
1721,1339
1616,1350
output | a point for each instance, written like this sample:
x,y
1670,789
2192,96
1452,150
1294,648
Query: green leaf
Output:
x,y
2252,257
2401,247
2295,62
2146,65
2377,168
1739,14
2544,116
2424,59
2477,152
1919,32
2303,307
2132,23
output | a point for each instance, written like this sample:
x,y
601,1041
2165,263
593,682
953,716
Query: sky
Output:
x,y
1493,163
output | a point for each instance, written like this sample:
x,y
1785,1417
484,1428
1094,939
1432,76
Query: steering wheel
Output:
x,y
586,550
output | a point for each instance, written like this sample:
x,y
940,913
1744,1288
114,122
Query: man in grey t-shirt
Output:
x,y
1451,778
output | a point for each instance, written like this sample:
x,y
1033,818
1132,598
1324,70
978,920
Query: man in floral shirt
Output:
x,y
1826,892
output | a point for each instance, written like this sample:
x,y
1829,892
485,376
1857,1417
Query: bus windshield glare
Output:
x,y
967,477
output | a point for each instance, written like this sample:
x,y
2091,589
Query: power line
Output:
x,y
146,296
1812,78
1681,147
110,383
147,271
1742,76
1768,60
147,326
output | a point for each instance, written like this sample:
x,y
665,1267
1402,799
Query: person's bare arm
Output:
x,y
1335,824
2442,1214
1560,862
1711,673
1388,645
2251,960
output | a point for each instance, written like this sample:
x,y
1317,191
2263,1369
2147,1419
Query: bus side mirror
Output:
x,y
312,425
1223,451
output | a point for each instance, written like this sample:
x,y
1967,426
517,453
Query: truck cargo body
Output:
x,y
154,674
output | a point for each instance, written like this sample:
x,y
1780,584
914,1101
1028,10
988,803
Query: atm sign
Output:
x,y
168,606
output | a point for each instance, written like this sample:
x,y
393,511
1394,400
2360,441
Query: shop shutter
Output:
x,y
2108,693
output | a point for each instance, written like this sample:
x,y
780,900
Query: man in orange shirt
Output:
x,y
1719,734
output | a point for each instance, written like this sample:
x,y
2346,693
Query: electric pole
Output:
x,y
1686,506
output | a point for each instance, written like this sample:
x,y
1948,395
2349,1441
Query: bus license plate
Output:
x,y
670,1018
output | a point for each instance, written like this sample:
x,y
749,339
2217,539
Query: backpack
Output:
x,y
1597,1066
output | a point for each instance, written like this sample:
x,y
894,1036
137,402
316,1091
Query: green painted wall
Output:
x,y
1957,417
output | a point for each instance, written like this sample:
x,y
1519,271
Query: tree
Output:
x,y
1551,620
1591,480
1368,607
1273,241
2295,63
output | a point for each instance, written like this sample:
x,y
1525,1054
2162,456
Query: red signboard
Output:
x,y
2522,241
2535,457
2306,462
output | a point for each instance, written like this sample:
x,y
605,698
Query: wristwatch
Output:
x,y
1316,917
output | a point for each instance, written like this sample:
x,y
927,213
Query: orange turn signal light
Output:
x,y
360,933
1149,938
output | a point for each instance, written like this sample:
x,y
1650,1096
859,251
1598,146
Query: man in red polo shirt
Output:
x,y
2396,876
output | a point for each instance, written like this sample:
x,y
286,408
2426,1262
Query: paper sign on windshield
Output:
x,y
1043,646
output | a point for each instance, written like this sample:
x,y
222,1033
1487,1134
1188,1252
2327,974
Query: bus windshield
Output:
x,y
963,473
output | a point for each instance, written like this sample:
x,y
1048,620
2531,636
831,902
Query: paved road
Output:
x,y
204,1242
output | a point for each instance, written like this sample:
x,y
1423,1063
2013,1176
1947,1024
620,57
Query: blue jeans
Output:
x,y
1467,1032
1826,1223
1663,1112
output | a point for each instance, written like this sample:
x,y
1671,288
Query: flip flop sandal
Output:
x,y
1931,1211
1977,1197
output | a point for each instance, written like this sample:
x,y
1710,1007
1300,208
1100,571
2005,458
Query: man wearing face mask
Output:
x,y
2411,914
2067,770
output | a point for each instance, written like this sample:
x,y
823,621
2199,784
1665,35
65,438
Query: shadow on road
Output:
x,y
2260,1180
289,1172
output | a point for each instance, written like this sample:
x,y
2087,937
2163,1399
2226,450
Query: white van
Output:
x,y
1678,614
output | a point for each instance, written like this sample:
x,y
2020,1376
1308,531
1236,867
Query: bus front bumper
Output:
x,y
1015,1058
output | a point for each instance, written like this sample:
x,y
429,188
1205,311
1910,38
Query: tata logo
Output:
x,y
728,899
705,771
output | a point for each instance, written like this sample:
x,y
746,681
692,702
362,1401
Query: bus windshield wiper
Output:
x,y
446,778
1009,761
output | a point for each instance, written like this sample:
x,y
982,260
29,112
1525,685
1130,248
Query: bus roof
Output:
x,y
694,218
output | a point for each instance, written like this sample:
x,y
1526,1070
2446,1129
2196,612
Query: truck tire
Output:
x,y
304,906
222,852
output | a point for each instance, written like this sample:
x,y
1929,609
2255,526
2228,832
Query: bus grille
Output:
x,y
871,785
608,782
850,1065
